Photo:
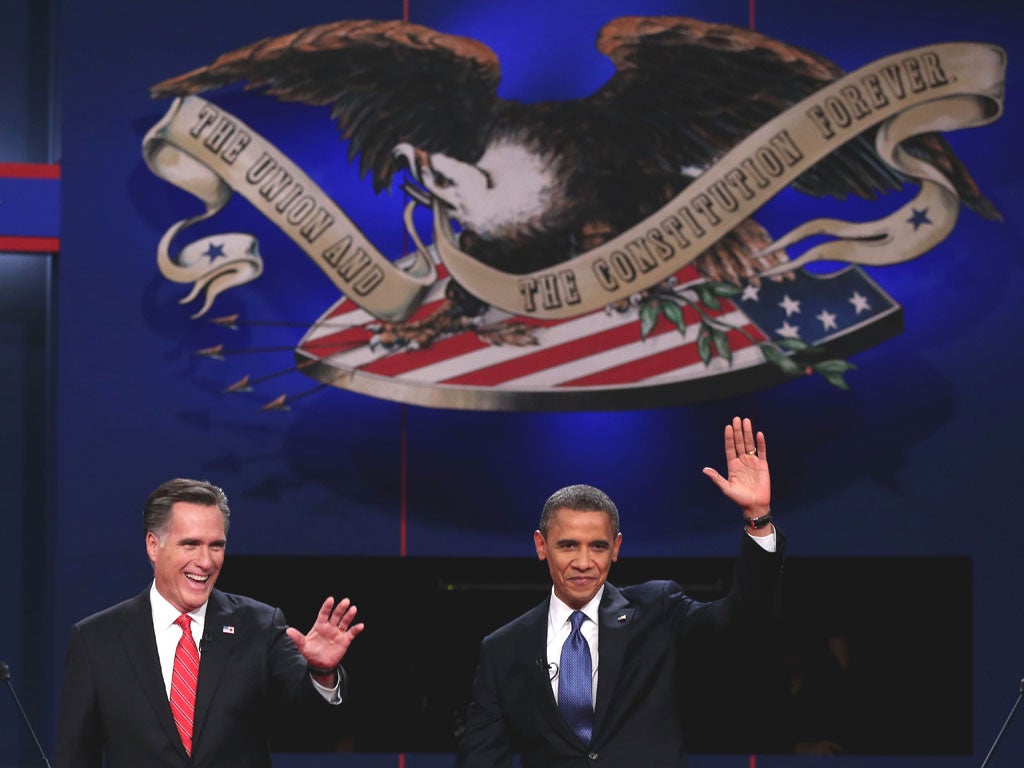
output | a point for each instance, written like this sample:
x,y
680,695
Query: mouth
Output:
x,y
581,581
197,578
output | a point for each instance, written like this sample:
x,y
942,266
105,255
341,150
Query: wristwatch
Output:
x,y
759,522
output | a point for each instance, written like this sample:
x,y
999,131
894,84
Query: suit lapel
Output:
x,y
140,648
615,622
217,646
531,647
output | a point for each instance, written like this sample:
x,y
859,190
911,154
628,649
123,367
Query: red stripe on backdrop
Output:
x,y
29,171
564,353
654,365
545,358
17,244
404,362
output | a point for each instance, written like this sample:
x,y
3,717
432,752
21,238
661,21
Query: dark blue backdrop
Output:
x,y
918,458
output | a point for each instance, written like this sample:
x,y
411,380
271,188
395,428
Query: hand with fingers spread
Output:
x,y
748,482
327,641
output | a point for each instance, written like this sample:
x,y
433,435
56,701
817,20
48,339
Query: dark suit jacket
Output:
x,y
643,630
114,703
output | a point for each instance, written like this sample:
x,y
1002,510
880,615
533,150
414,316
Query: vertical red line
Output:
x,y
752,21
404,525
404,514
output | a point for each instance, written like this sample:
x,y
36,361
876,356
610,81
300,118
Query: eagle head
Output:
x,y
506,195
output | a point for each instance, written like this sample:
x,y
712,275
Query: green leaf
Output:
x,y
672,311
836,380
725,289
779,360
833,367
649,315
722,344
704,345
707,297
795,345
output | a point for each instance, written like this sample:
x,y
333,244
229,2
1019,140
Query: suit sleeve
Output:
x,y
752,604
79,728
303,719
485,743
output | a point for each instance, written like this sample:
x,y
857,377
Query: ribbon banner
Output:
x,y
211,154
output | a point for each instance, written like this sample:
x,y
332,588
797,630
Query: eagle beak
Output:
x,y
414,158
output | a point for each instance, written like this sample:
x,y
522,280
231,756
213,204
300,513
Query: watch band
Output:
x,y
320,672
759,522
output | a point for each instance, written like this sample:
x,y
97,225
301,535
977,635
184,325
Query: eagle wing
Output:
x,y
713,84
388,82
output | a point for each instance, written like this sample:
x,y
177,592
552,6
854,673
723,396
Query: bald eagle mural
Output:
x,y
601,252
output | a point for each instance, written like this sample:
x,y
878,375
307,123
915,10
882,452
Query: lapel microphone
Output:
x,y
547,668
5,675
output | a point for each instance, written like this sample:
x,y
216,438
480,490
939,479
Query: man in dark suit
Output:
x,y
590,676
130,695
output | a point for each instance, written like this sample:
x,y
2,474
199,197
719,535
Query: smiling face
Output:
x,y
579,548
187,559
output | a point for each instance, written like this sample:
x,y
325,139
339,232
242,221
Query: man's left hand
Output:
x,y
748,483
327,641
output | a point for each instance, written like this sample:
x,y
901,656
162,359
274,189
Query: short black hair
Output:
x,y
579,498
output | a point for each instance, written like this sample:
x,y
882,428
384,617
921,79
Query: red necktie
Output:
x,y
184,678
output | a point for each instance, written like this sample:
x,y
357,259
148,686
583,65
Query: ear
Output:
x,y
540,545
152,545
615,547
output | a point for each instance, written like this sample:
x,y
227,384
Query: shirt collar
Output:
x,y
165,614
559,612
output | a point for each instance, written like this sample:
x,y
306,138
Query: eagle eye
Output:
x,y
441,181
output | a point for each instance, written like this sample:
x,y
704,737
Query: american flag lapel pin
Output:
x,y
228,629
621,617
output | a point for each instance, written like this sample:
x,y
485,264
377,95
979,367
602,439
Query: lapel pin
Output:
x,y
621,617
229,630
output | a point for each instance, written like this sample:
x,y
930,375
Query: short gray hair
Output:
x,y
156,515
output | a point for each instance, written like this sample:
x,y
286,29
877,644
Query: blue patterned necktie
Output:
x,y
575,681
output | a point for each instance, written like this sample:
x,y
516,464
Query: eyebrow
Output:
x,y
196,542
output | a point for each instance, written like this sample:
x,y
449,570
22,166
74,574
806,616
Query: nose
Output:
x,y
582,561
203,558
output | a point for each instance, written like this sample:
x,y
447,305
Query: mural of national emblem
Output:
x,y
594,253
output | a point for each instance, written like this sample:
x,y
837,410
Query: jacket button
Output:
x,y
592,756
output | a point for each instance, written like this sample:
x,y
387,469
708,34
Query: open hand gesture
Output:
x,y
332,633
748,483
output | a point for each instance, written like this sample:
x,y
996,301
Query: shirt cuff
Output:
x,y
767,543
330,695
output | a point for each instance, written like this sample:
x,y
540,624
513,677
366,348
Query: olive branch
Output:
x,y
712,338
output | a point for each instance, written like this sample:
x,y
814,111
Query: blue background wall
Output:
x,y
919,458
